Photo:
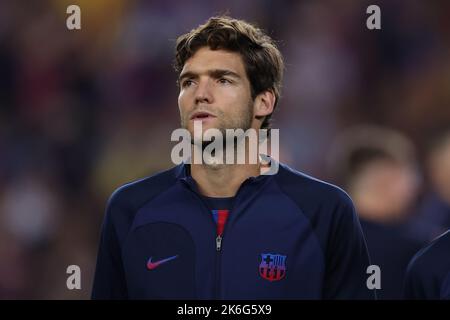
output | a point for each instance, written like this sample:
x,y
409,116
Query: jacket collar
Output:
x,y
183,174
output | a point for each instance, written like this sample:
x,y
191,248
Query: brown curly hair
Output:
x,y
263,61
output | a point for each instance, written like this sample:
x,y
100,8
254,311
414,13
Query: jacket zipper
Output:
x,y
218,266
219,240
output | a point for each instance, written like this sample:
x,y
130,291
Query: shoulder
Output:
x,y
126,200
133,195
427,259
310,192
428,270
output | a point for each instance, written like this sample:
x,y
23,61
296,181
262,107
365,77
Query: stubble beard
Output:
x,y
242,121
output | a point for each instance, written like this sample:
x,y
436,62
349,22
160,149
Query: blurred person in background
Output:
x,y
433,216
428,275
377,167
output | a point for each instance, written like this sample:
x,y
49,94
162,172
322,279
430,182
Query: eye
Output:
x,y
187,83
224,81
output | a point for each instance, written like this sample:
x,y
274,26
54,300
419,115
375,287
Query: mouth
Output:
x,y
202,116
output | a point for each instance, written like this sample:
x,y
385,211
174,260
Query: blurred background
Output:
x,y
83,112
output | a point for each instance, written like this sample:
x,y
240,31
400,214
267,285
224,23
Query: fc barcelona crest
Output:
x,y
272,266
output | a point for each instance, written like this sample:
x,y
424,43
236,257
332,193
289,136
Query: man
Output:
x,y
433,216
377,167
428,275
226,231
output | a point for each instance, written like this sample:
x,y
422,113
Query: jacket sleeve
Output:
x,y
347,257
109,279
414,288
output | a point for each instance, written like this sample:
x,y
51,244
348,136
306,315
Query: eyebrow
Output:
x,y
215,73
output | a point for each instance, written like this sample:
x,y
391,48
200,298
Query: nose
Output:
x,y
203,92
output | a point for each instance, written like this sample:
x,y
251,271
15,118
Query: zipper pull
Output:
x,y
218,242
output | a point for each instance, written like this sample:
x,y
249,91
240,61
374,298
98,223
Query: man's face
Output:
x,y
215,90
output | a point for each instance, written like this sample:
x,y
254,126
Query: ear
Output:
x,y
264,104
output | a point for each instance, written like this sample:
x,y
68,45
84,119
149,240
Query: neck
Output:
x,y
222,180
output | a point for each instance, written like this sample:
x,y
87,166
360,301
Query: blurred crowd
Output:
x,y
83,112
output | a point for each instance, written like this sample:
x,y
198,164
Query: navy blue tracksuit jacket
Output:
x,y
288,236
428,275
